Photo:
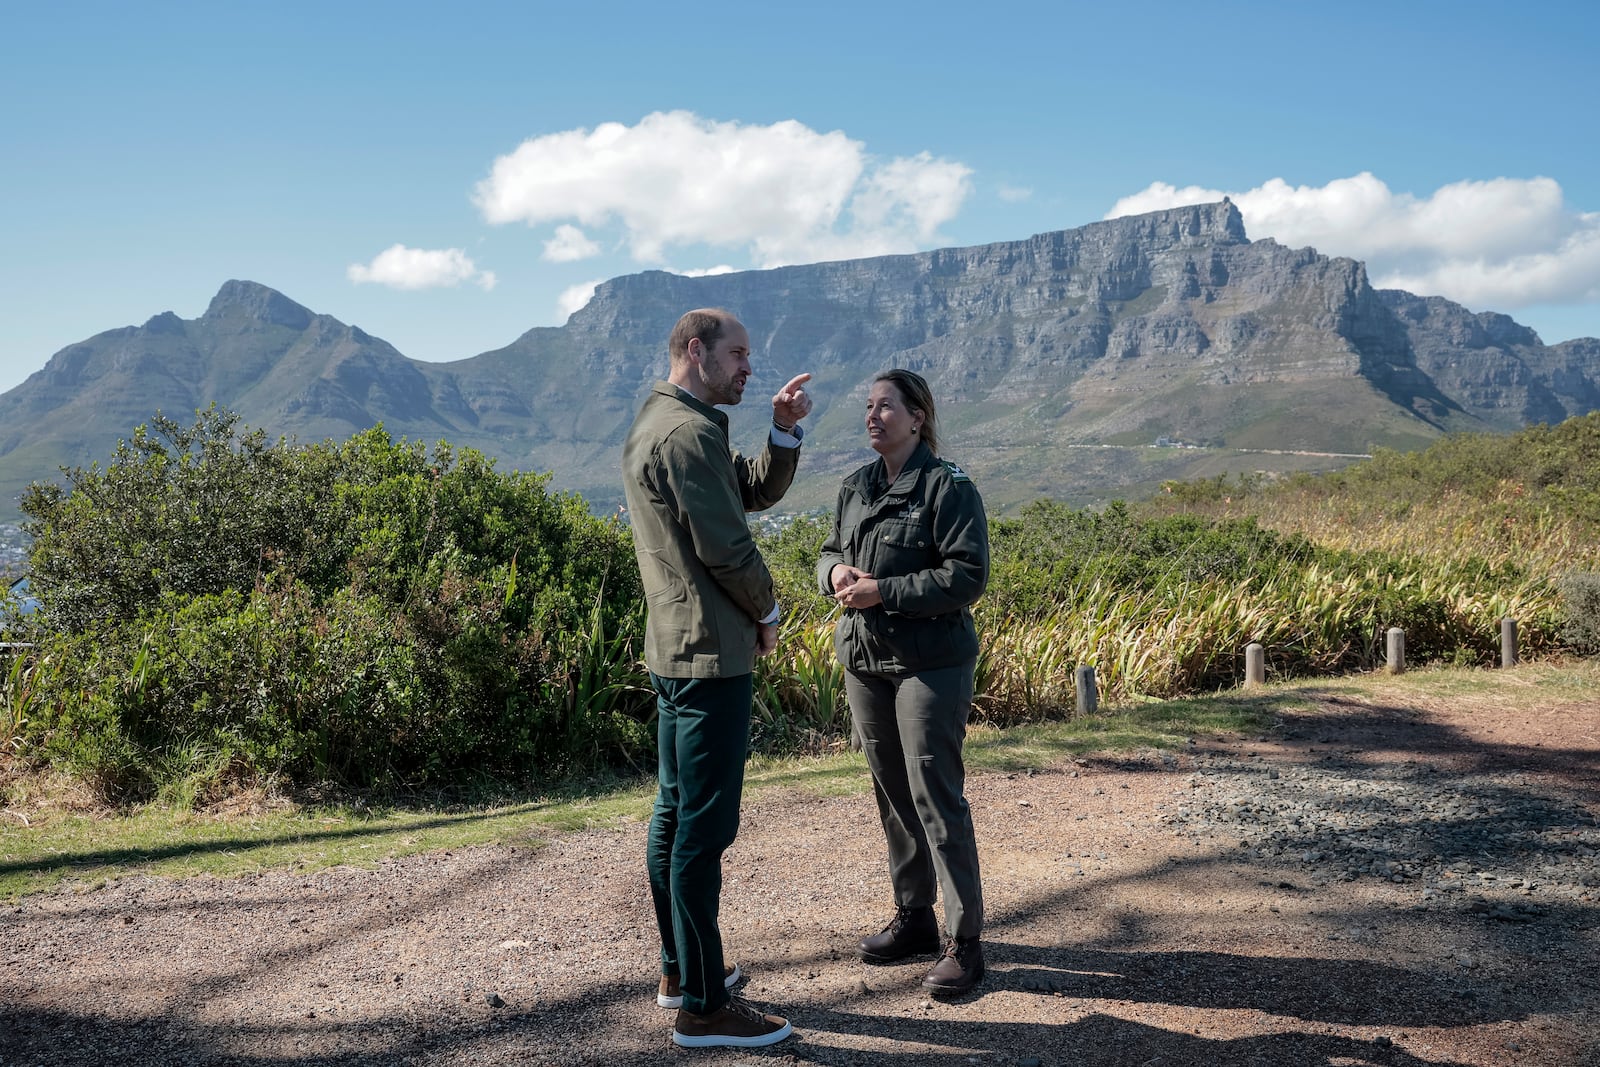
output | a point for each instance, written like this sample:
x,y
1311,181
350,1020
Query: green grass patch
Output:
x,y
840,774
85,849
1154,725
1493,691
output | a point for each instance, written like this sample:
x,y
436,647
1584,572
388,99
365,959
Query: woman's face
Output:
x,y
891,425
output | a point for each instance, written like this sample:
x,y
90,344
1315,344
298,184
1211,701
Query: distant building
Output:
x,y
13,549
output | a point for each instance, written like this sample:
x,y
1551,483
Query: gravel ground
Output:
x,y
1368,884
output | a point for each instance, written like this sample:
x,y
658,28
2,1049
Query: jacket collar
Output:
x,y
678,392
869,480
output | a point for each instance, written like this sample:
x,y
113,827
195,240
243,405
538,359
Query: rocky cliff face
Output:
x,y
1499,371
1169,325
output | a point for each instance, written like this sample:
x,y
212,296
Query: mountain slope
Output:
x,y
1042,352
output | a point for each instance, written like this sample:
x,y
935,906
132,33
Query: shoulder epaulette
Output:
x,y
956,473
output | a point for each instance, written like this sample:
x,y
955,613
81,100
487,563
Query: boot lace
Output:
x,y
958,948
903,917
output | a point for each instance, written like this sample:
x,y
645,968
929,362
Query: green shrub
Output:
x,y
362,614
791,555
1580,605
1041,558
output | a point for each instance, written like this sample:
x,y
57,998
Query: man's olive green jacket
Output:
x,y
925,539
705,583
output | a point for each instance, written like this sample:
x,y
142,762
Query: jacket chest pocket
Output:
x,y
902,545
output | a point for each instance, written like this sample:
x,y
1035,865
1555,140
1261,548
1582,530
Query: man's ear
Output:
x,y
696,350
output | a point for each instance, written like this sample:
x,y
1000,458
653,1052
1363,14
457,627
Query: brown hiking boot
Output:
x,y
912,932
669,994
958,970
737,1024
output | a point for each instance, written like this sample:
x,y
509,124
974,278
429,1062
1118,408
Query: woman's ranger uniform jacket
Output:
x,y
925,539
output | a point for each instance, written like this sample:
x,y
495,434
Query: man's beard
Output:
x,y
722,389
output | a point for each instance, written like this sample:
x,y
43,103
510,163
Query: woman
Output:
x,y
908,556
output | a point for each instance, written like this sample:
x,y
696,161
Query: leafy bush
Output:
x,y
1041,560
363,613
791,555
1580,603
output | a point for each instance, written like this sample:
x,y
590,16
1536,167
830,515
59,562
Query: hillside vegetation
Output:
x,y
219,609
1525,504
1532,496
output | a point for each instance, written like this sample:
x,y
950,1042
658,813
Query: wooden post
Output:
x,y
1088,695
1397,650
1255,664
1508,642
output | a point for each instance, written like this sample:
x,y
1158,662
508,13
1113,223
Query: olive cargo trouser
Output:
x,y
703,734
912,727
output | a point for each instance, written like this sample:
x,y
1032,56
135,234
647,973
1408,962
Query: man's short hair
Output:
x,y
704,323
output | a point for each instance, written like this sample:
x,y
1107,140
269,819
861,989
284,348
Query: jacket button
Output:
x,y
922,544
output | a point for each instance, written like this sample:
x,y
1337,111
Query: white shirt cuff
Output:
x,y
788,440
773,615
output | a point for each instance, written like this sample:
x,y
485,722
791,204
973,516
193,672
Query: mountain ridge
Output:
x,y
1041,351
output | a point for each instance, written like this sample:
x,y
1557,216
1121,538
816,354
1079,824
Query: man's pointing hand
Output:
x,y
791,404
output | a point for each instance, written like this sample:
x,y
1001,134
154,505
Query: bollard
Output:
x,y
1088,695
1508,642
1397,650
1255,664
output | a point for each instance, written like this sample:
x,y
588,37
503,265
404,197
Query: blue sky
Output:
x,y
447,176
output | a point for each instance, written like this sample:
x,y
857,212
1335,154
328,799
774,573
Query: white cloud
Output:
x,y
574,297
1566,274
419,268
782,193
569,245
1502,243
1014,194
706,272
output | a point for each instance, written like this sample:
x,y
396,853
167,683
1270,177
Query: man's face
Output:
x,y
725,368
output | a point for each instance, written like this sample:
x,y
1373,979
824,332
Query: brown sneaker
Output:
x,y
958,970
669,994
738,1023
912,932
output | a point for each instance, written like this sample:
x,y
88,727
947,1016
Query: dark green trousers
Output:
x,y
703,734
912,727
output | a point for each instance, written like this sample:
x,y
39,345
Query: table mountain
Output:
x,y
1058,361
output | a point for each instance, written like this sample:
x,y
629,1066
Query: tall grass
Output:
x,y
1162,600
799,690
19,696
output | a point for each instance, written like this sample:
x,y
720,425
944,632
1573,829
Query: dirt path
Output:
x,y
1368,884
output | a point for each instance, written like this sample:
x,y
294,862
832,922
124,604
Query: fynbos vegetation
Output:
x,y
218,607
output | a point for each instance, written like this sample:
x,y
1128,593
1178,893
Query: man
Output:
x,y
711,612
